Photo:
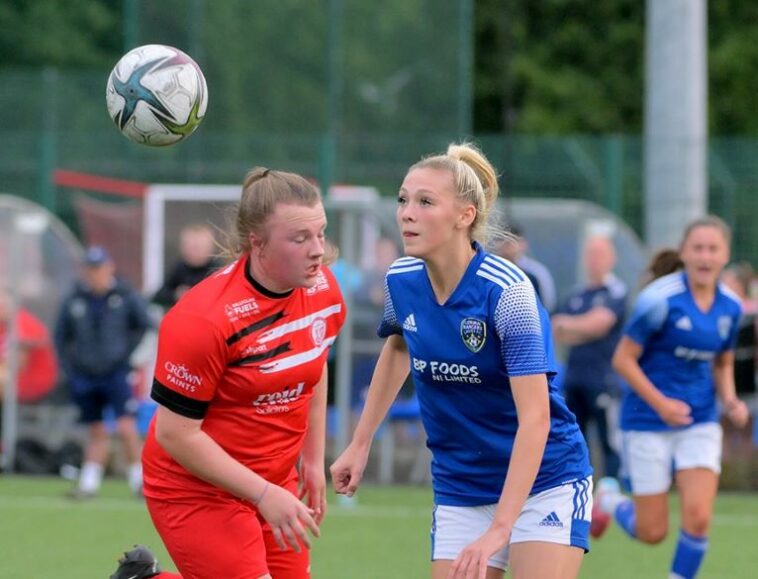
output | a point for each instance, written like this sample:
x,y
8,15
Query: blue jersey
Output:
x,y
679,343
462,356
589,365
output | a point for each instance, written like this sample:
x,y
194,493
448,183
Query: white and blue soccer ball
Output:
x,y
156,95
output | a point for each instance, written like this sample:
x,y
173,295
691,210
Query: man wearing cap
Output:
x,y
100,324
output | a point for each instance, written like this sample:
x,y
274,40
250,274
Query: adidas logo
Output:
x,y
409,325
551,520
684,323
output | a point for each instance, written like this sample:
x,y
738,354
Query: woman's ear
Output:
x,y
466,217
256,243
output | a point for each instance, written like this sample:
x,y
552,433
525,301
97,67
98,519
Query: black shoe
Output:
x,y
139,563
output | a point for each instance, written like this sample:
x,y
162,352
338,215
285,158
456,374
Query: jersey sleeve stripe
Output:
x,y
509,277
394,270
298,324
505,266
405,260
176,402
499,281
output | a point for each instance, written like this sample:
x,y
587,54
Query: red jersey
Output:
x,y
246,361
39,373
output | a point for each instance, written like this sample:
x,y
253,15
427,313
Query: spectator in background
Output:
x,y
590,323
197,246
738,277
37,369
100,324
514,248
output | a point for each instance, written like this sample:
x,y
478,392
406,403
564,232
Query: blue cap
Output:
x,y
96,255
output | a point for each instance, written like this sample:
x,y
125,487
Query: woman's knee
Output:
x,y
696,520
653,532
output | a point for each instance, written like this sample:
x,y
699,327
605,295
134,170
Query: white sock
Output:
x,y
91,477
134,476
609,502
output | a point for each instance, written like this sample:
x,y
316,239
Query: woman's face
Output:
x,y
429,216
292,249
705,252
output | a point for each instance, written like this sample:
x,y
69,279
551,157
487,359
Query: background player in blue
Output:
x,y
590,323
677,355
510,468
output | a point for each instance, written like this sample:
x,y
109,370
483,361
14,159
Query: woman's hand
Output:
x,y
471,563
674,412
288,516
737,412
313,489
347,470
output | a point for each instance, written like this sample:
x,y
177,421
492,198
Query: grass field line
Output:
x,y
370,511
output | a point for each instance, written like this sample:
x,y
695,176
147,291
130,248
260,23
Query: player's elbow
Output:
x,y
170,438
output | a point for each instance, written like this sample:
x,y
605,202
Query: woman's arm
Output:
x,y
723,377
530,393
186,442
312,470
389,374
573,330
626,362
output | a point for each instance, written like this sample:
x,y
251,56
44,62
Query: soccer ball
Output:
x,y
156,95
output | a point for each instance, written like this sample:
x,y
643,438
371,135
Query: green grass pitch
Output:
x,y
385,533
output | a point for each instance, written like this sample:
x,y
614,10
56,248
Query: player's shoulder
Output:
x,y
405,273
216,298
404,267
664,287
500,273
731,300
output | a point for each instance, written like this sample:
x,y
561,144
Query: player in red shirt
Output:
x,y
37,367
240,378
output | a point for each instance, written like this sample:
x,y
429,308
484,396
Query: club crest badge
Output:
x,y
473,334
318,331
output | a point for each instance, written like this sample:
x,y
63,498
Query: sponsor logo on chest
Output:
x,y
448,372
277,402
241,309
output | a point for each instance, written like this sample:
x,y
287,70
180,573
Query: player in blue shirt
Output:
x,y
677,355
510,468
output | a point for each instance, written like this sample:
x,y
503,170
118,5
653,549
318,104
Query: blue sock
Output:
x,y
688,556
626,517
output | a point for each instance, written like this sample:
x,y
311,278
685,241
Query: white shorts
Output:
x,y
650,458
558,515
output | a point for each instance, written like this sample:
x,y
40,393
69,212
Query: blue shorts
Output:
x,y
93,394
